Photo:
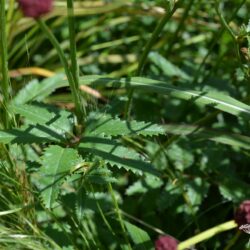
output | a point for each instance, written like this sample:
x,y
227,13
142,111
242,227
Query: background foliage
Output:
x,y
160,150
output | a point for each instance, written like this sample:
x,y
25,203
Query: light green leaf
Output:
x,y
181,157
196,192
140,237
217,100
105,124
53,119
136,188
38,91
167,67
56,165
144,185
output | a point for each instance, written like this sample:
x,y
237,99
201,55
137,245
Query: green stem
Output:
x,y
227,27
74,66
155,229
153,38
73,57
101,211
207,234
73,87
180,27
213,43
119,215
232,241
223,21
169,13
174,138
199,217
5,83
11,9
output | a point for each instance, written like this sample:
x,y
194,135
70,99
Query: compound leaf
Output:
x,y
115,154
38,91
56,120
29,134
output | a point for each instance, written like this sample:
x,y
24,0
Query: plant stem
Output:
x,y
227,27
154,37
5,83
180,26
173,138
233,241
73,87
213,43
101,211
169,13
74,66
223,21
155,229
119,215
207,234
11,9
73,56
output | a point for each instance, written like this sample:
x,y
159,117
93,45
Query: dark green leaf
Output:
x,y
234,189
115,154
213,135
30,134
105,124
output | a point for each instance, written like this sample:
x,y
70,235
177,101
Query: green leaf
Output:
x,y
115,154
88,202
195,191
100,175
56,165
80,204
38,91
169,196
105,124
140,238
181,157
235,140
144,185
136,188
167,67
217,100
56,120
30,134
234,189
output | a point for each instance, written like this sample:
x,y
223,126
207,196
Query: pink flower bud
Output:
x,y
242,214
35,8
166,242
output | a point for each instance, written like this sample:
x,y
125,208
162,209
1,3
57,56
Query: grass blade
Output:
x,y
215,99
